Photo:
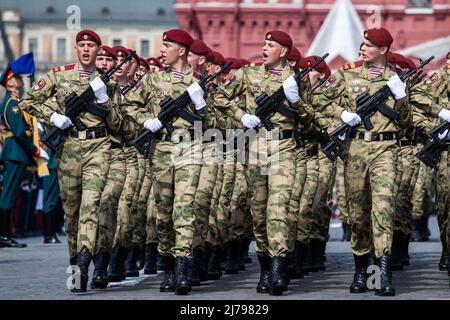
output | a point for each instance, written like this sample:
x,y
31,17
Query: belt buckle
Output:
x,y
367,136
82,135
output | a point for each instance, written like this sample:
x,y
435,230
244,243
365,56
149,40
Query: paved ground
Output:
x,y
39,272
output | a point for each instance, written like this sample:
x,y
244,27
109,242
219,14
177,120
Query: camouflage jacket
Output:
x,y
49,93
253,81
354,79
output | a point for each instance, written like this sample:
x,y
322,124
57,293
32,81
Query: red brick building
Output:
x,y
237,27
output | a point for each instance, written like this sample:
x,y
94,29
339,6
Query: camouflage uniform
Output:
x,y
371,166
83,163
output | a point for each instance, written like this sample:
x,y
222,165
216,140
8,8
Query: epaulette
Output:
x,y
353,65
64,68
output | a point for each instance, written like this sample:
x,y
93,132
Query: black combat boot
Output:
x,y
6,240
204,261
115,271
404,256
168,283
100,276
396,262
359,283
322,258
346,231
232,257
290,268
241,253
316,254
194,267
448,267
311,264
264,278
443,262
277,280
299,255
151,253
415,230
131,267
182,285
214,271
386,288
84,258
160,263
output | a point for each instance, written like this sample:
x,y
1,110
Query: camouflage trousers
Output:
x,y
146,232
443,195
270,184
151,226
305,214
370,176
403,206
125,218
204,194
342,201
175,176
139,213
421,197
213,237
82,168
297,191
240,224
321,216
110,199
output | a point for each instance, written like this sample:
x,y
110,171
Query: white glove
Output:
x,y
40,127
444,114
290,89
196,94
43,154
153,125
443,135
250,121
60,121
350,118
397,86
99,88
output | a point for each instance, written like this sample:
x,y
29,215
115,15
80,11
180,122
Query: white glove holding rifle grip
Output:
x,y
397,87
196,94
250,121
43,154
350,118
153,125
99,88
60,121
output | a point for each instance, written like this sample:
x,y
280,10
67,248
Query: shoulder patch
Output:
x,y
15,110
39,85
64,68
353,65
330,81
432,79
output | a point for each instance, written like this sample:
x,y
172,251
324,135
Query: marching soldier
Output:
x,y
371,166
270,191
174,178
84,154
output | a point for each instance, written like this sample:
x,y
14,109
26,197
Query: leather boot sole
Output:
x,y
277,290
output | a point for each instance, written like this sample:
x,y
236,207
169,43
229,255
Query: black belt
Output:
x,y
166,137
373,136
93,133
405,143
312,151
283,134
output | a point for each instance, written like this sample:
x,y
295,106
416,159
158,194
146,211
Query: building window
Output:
x,y
145,48
419,3
60,49
117,42
33,46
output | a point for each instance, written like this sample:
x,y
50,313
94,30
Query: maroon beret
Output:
x,y
200,48
107,52
88,35
135,56
144,63
235,63
280,36
217,58
379,37
121,51
154,62
321,67
179,36
245,62
327,72
294,54
391,57
302,63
